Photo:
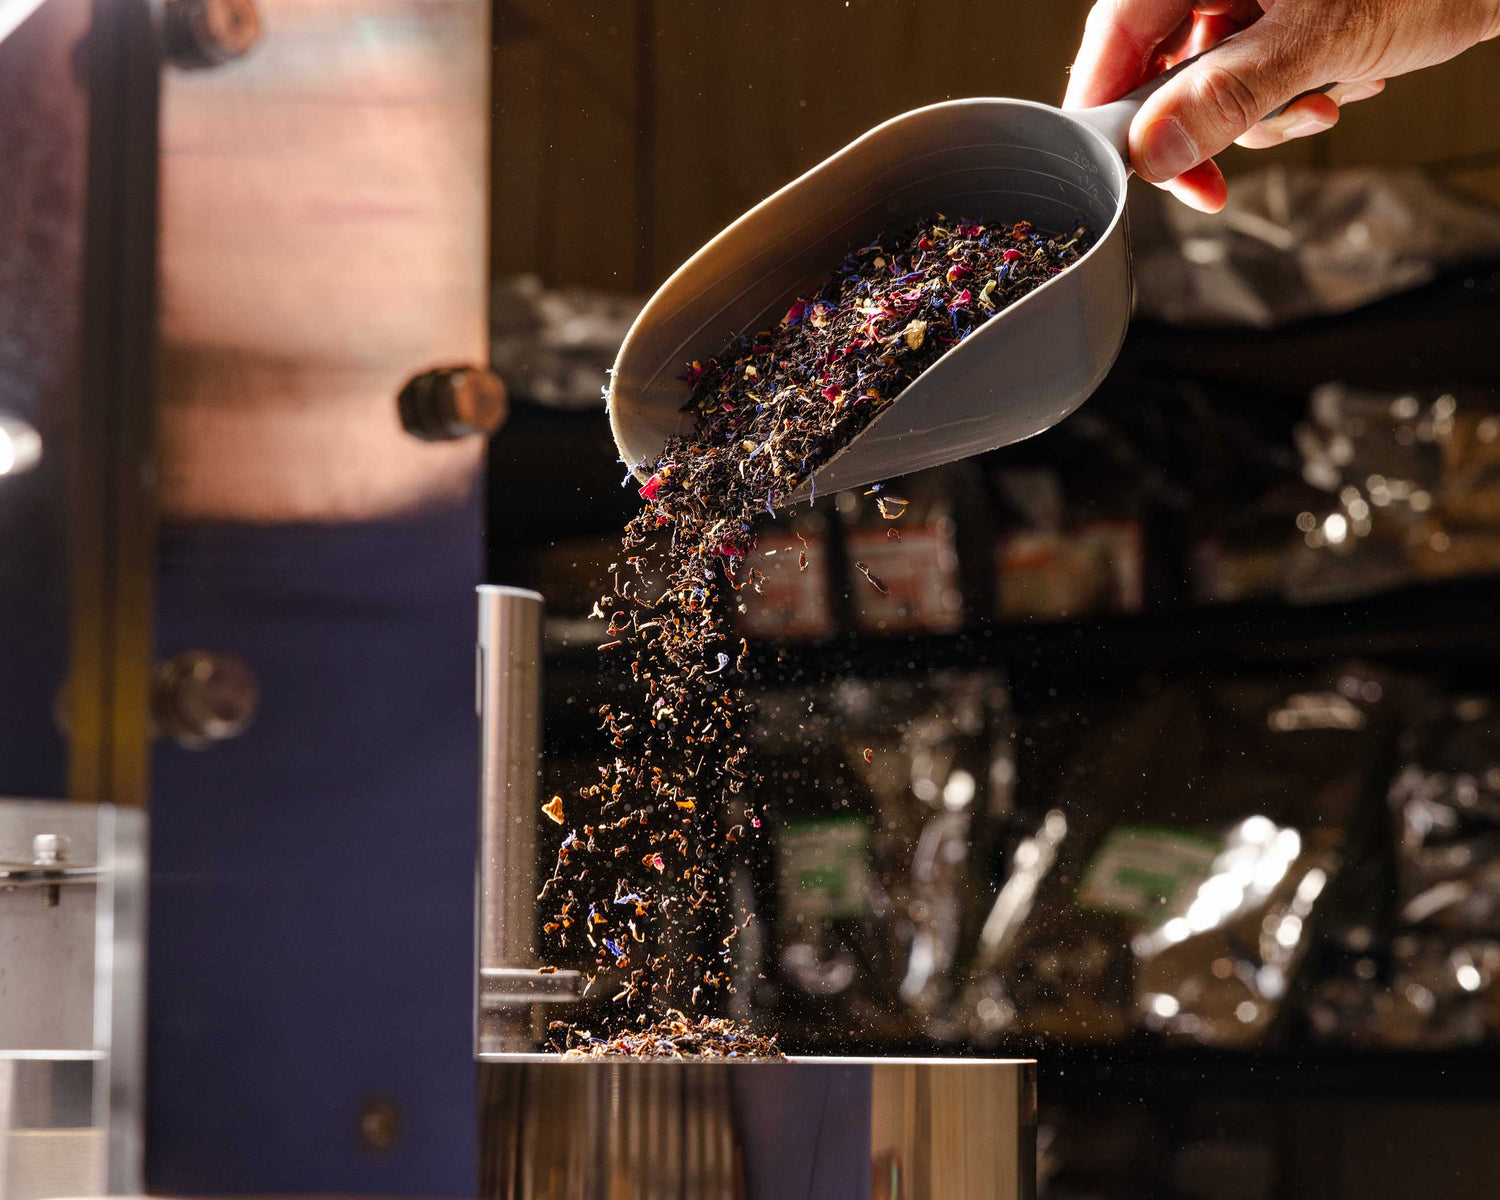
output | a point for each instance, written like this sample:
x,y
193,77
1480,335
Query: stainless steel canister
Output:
x,y
809,1129
567,1129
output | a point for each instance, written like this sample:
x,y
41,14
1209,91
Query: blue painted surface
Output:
x,y
34,618
312,881
806,1131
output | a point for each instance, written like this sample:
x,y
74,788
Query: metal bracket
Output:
x,y
49,869
19,875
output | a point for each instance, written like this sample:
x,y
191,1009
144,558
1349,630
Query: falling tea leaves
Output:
x,y
639,885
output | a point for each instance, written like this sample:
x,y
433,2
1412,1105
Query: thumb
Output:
x,y
1217,98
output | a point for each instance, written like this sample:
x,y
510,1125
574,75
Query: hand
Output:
x,y
1288,47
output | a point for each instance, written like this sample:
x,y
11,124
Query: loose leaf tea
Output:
x,y
674,1036
640,878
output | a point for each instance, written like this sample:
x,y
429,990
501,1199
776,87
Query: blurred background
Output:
x,y
1185,717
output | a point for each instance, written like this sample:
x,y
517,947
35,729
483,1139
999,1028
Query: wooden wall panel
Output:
x,y
565,140
753,94
743,96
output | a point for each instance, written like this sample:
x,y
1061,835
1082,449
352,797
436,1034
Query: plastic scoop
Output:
x,y
1016,375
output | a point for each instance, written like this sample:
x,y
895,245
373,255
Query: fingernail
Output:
x,y
1306,127
1359,91
1166,149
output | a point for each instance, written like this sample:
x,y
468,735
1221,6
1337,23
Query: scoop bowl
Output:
x,y
1015,376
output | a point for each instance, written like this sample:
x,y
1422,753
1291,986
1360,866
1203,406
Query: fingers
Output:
x,y
1122,39
1351,93
1223,95
1308,115
1201,187
1243,10
1213,102
1211,28
1119,40
1301,118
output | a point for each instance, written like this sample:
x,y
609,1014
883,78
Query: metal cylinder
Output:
x,y
835,1129
208,33
448,403
508,699
201,697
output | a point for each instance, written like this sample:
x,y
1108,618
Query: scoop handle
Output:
x,y
1112,120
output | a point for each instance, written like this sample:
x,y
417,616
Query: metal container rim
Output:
x,y
789,1061
501,589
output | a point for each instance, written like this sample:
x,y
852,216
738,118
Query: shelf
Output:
x,y
1144,1071
1173,1074
1416,624
1437,335
555,474
1450,627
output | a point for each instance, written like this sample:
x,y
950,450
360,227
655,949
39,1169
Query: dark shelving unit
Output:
x,y
1153,1074
1455,623
555,473
558,479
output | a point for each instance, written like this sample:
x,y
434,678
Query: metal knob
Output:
x,y
448,403
199,698
208,33
48,869
49,850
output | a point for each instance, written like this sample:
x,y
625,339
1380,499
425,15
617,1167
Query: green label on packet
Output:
x,y
1145,870
825,869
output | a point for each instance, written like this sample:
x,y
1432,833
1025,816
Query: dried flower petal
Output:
x,y
874,579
